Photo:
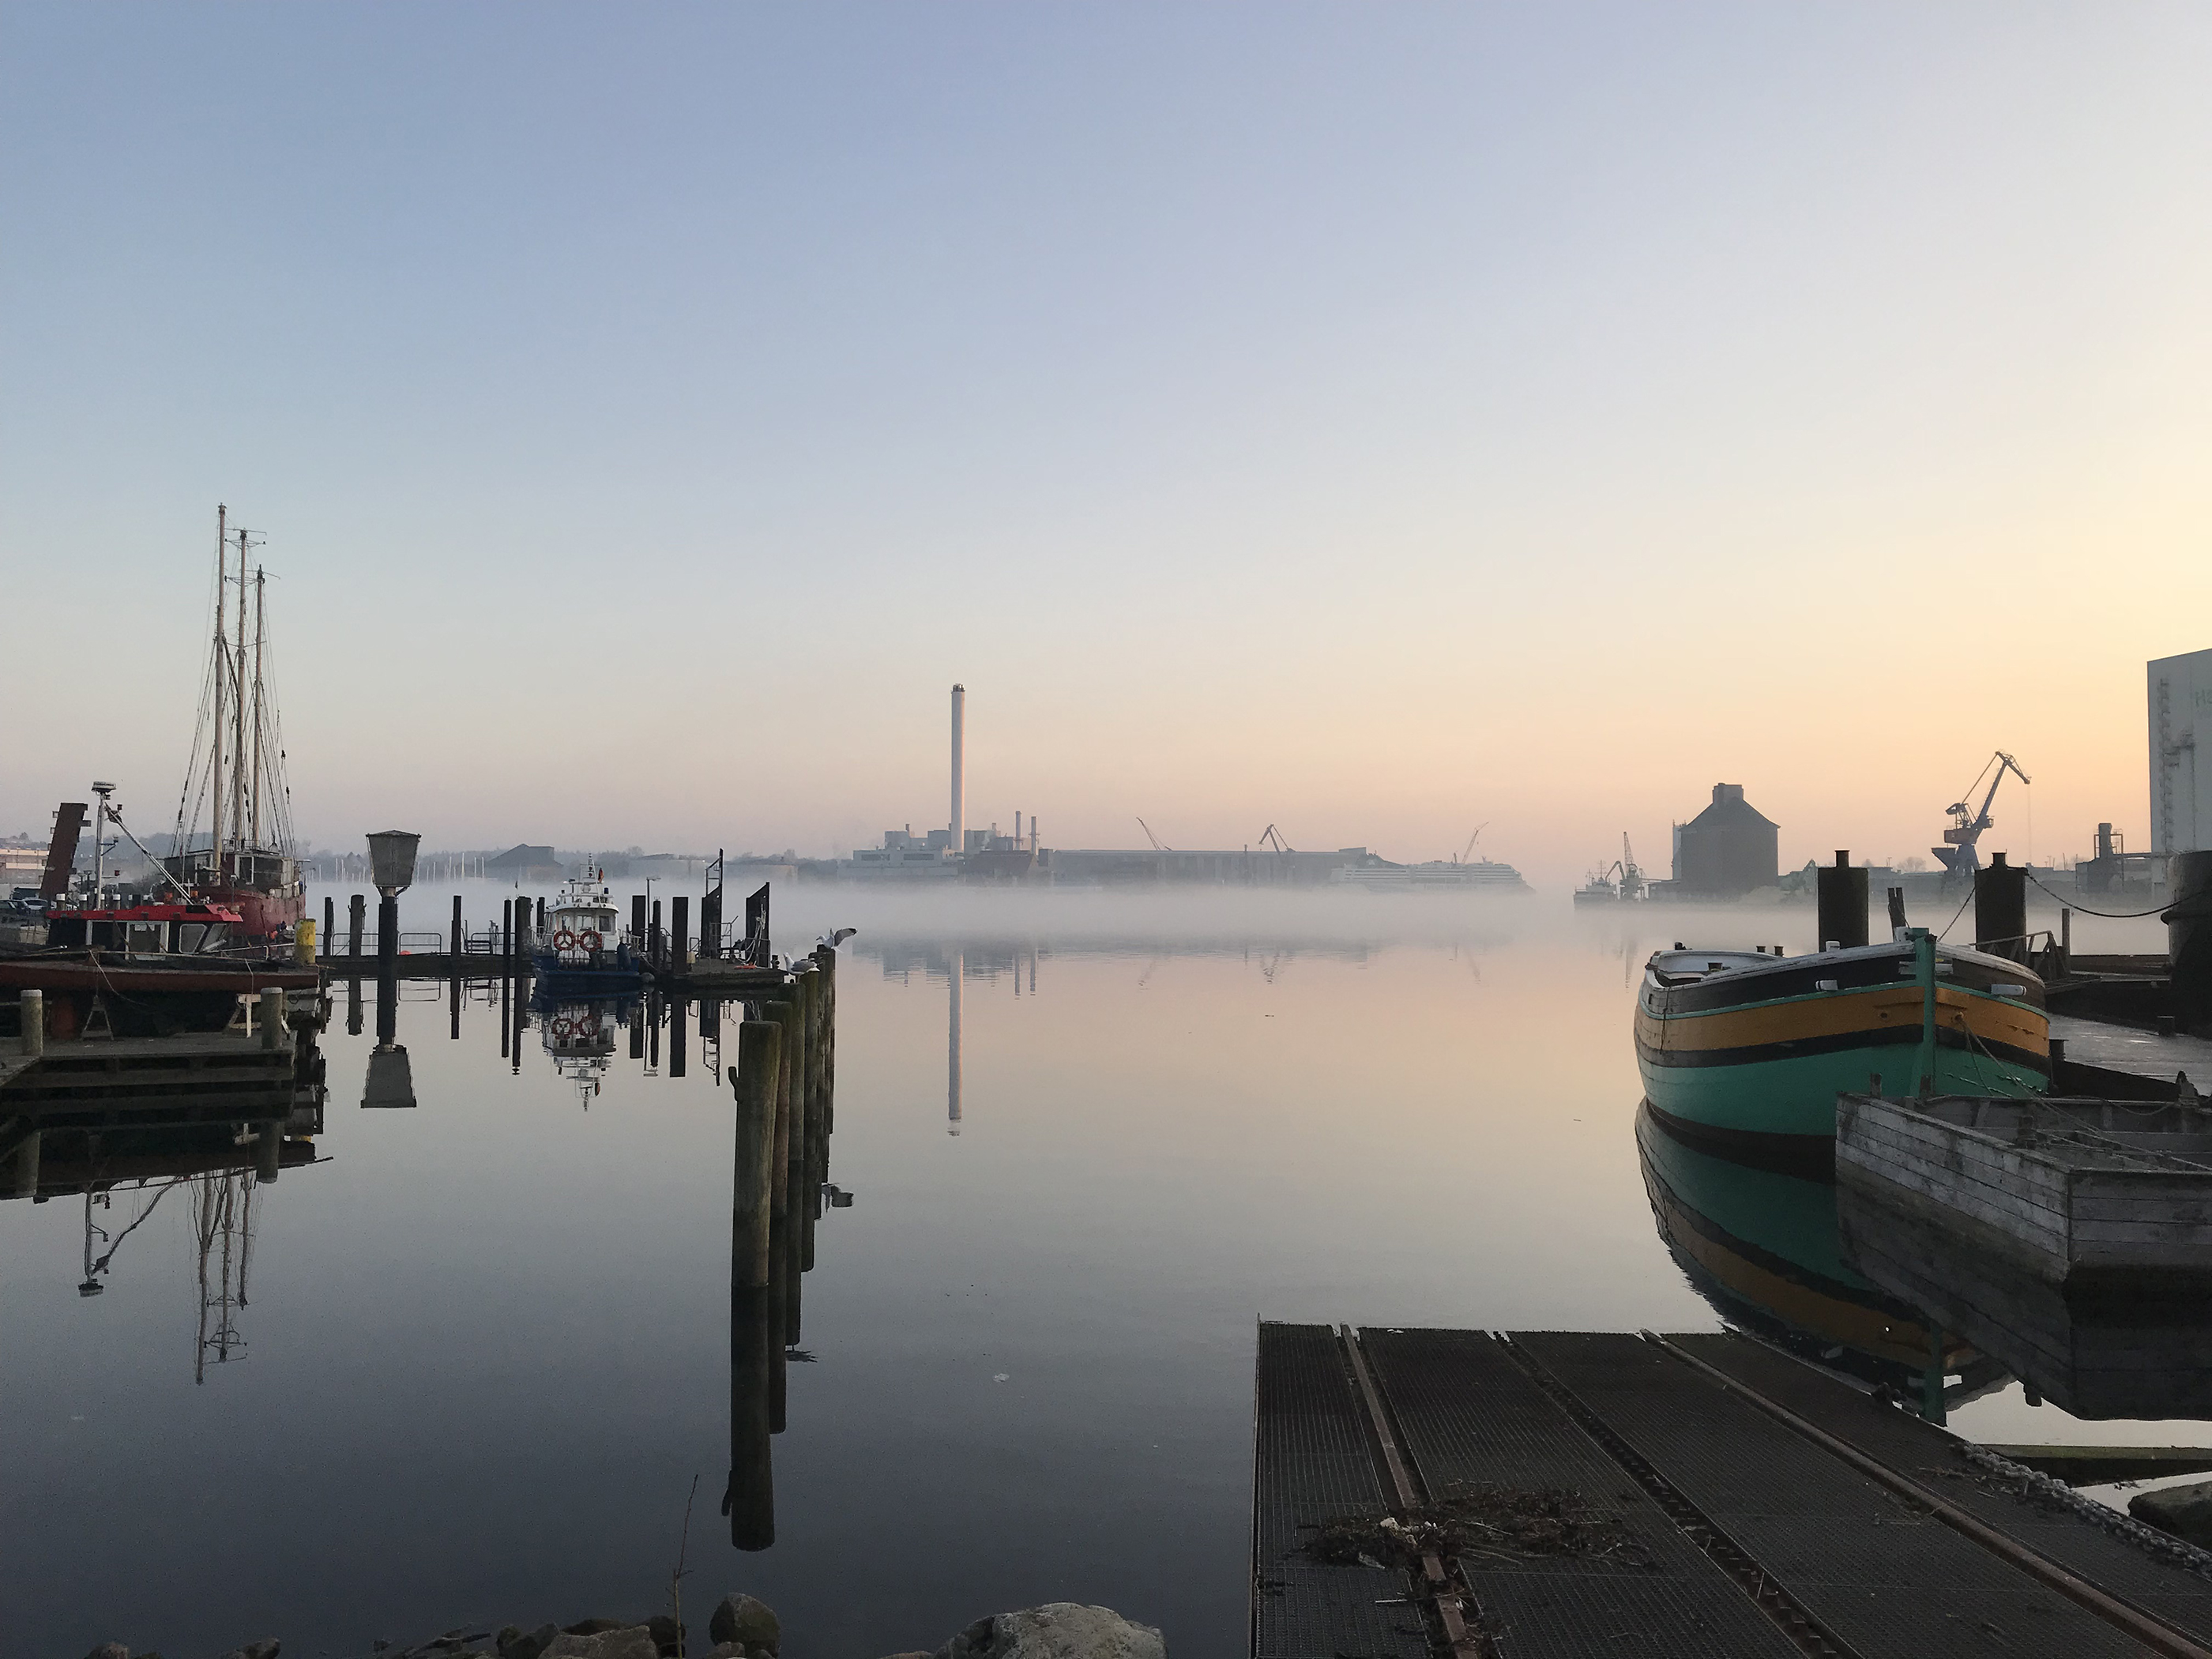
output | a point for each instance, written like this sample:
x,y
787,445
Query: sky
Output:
x,y
1371,421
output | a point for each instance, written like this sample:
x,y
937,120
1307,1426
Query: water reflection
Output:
x,y
1911,1304
2140,1350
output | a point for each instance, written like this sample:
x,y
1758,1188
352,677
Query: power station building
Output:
x,y
1727,850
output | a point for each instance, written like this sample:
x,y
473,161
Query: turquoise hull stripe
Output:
x,y
1797,1095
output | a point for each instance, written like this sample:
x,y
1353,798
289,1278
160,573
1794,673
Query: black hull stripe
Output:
x,y
1813,1156
1745,987
1905,1036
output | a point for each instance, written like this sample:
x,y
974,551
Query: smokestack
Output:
x,y
959,770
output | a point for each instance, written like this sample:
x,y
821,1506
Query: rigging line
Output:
x,y
1955,914
2114,916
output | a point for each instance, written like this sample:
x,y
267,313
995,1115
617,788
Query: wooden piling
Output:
x,y
272,1018
457,936
268,1150
636,923
356,913
329,940
679,931
653,941
754,1365
753,1080
31,1018
27,1166
677,1011
780,1155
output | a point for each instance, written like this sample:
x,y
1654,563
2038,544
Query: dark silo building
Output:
x,y
1727,850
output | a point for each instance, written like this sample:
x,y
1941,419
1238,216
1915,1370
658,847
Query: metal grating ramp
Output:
x,y
1888,1581
1311,1465
1930,1455
1469,1414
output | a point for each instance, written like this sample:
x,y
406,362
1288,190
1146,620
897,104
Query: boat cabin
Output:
x,y
188,930
584,926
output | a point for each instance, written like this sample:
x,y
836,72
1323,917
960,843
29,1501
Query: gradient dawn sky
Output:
x,y
1373,420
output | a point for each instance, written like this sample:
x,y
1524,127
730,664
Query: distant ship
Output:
x,y
249,864
1620,882
1464,872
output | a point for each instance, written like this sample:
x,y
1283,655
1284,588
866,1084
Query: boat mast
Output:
x,y
259,575
238,709
221,576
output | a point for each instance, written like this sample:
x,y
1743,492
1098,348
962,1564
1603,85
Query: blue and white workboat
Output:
x,y
582,946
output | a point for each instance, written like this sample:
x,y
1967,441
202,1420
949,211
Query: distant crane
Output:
x,y
1273,837
1152,838
1467,852
1959,855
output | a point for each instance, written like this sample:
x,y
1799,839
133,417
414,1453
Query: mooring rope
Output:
x,y
2110,916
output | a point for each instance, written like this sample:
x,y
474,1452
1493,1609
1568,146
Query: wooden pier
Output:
x,y
1565,1495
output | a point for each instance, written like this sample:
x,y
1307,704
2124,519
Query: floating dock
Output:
x,y
1560,1495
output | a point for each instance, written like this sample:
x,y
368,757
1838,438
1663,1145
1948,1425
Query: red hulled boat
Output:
x,y
246,861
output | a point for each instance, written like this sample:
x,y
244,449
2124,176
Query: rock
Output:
x,y
1059,1630
109,1651
746,1621
916,1653
667,1634
632,1642
2185,1511
594,1626
267,1647
520,1646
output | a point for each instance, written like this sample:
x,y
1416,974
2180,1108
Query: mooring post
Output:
x,y
27,1166
753,1081
636,923
780,1336
652,946
2000,909
31,1014
457,936
677,1011
269,1150
357,912
2066,941
679,930
272,1018
330,940
1840,899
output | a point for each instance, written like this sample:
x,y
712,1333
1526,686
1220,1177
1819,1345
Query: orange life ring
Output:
x,y
589,938
564,940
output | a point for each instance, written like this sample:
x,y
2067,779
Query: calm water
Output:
x,y
485,1347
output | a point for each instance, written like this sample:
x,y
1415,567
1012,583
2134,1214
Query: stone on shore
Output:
x,y
267,1647
109,1651
515,1644
745,1621
626,1642
2185,1511
1059,1630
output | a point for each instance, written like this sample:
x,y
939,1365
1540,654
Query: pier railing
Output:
x,y
2042,954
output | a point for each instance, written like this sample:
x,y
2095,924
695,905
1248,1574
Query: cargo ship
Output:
x,y
247,860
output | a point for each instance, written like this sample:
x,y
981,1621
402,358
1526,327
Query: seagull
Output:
x,y
833,940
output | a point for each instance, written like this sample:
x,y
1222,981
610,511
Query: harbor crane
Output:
x,y
1959,855
1273,837
1152,838
1467,852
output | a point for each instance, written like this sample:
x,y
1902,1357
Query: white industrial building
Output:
x,y
2180,789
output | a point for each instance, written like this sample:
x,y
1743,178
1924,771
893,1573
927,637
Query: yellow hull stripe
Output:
x,y
1878,1011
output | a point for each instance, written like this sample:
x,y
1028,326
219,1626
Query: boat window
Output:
x,y
189,936
145,936
106,935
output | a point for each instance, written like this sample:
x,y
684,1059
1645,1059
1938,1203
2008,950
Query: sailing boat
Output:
x,y
247,861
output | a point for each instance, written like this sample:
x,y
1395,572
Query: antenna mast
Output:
x,y
259,575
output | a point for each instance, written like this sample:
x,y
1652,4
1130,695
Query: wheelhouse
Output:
x,y
188,930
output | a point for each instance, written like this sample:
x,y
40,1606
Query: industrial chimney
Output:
x,y
959,771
